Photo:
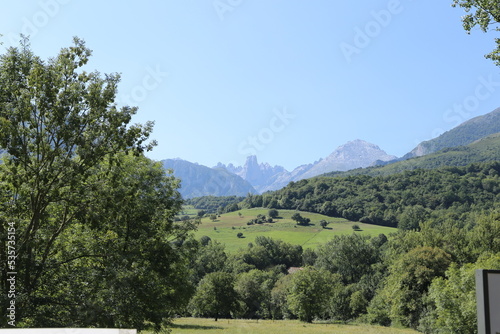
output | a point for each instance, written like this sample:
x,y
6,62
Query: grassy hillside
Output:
x,y
198,326
228,225
482,150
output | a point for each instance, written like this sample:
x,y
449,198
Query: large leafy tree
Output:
x,y
63,138
351,256
454,298
484,14
310,292
409,279
215,296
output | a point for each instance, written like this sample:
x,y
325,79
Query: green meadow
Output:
x,y
226,227
239,326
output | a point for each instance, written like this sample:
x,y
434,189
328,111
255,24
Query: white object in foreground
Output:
x,y
67,331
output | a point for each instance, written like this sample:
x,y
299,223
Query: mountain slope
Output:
x,y
260,175
354,154
198,180
464,134
482,150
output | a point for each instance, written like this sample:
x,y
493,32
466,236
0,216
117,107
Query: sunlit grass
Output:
x,y
207,326
226,227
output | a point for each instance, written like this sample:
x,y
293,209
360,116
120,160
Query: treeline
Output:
x,y
403,200
423,280
213,204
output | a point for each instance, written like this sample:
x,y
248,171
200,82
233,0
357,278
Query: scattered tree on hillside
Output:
x,y
300,220
273,213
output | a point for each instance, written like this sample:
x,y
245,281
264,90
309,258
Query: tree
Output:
x,y
57,123
412,217
310,291
453,300
215,296
208,258
273,213
351,256
254,291
482,13
409,280
239,235
300,220
125,248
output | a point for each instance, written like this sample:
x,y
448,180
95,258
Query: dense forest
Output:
x,y
400,200
215,204
420,279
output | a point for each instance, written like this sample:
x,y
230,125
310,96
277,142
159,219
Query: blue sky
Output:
x,y
287,80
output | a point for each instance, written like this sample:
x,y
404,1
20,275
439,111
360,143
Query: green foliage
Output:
x,y
310,290
410,276
484,14
210,257
412,217
211,204
300,220
254,291
351,256
215,296
94,224
273,213
382,200
453,299
268,252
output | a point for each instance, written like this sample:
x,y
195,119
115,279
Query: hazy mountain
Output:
x,y
263,177
464,134
257,174
354,154
198,180
483,150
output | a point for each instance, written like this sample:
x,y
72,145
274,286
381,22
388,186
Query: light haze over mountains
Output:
x,y
259,177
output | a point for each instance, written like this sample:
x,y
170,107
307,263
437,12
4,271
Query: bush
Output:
x,y
273,213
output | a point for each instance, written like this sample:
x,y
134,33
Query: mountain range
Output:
x,y
354,156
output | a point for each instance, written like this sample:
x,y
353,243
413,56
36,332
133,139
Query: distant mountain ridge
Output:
x,y
354,154
464,134
475,140
198,180
486,149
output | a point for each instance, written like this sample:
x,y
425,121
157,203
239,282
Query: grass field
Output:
x,y
226,227
207,326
